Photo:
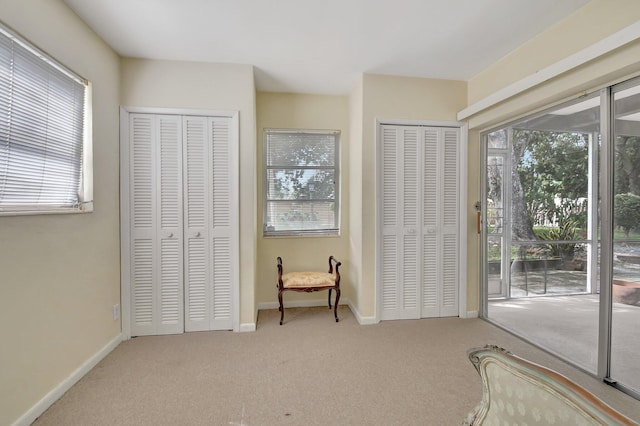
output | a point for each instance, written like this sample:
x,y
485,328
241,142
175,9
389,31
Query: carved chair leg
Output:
x,y
329,299
281,307
335,306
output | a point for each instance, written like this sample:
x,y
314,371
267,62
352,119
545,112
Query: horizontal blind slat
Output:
x,y
301,173
41,130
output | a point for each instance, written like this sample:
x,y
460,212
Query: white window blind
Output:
x,y
44,113
301,177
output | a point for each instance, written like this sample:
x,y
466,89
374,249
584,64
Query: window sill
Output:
x,y
335,234
85,208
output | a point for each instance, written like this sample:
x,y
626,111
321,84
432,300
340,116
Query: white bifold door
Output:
x,y
419,221
183,248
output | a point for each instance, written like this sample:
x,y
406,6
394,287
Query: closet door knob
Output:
x,y
197,234
170,234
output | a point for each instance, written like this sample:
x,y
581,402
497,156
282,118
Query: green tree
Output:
x,y
296,167
627,162
300,167
553,171
627,212
521,219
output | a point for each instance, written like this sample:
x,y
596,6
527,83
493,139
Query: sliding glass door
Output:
x,y
625,313
561,239
541,182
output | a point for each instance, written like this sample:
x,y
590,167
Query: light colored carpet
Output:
x,y
309,371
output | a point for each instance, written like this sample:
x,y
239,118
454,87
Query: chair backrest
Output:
x,y
518,391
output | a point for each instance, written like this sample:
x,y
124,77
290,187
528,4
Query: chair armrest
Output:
x,y
280,271
337,266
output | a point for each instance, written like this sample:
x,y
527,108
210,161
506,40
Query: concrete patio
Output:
x,y
567,325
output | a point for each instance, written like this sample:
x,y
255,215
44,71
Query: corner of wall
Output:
x,y
50,398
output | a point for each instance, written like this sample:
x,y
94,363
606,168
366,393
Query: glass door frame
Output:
x,y
505,220
600,228
592,217
607,166
608,334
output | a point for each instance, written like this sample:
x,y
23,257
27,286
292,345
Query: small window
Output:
x,y
301,182
45,138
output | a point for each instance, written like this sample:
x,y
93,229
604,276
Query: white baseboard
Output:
x,y
247,327
48,400
307,303
362,320
320,302
470,314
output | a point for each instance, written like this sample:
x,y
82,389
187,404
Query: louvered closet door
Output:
x,y
432,215
209,224
401,223
196,205
222,223
156,225
440,222
419,214
450,222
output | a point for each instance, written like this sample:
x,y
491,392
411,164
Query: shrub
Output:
x,y
567,230
627,212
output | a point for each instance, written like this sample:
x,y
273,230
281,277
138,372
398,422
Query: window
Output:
x,y
45,148
301,182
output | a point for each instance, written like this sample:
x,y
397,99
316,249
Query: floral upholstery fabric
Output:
x,y
308,279
518,392
517,401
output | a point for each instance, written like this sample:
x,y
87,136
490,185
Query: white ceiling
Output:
x,y
322,46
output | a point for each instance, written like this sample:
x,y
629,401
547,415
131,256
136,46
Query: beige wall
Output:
x,y
195,85
585,27
392,97
356,108
60,274
375,96
298,111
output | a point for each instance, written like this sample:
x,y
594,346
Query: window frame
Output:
x,y
83,166
335,231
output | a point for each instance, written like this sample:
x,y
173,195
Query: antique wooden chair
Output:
x,y
310,282
517,391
